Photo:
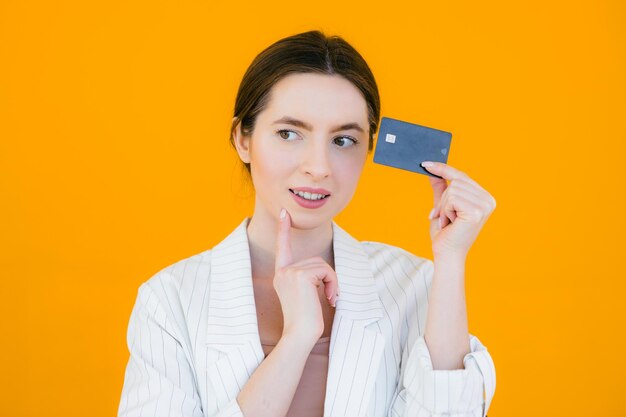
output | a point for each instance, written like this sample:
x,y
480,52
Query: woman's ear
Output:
x,y
242,143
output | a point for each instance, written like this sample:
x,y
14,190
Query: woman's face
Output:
x,y
313,133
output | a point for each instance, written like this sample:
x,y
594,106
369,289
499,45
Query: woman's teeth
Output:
x,y
309,196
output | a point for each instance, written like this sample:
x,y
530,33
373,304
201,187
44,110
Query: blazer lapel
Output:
x,y
232,327
356,346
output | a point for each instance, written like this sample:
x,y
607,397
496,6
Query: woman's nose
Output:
x,y
317,161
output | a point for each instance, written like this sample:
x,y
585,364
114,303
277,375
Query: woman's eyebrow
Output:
x,y
299,123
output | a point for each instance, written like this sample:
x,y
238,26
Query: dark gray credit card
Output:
x,y
406,145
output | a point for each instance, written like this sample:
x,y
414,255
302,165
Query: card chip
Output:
x,y
390,138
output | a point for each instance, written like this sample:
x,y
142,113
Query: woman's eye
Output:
x,y
284,134
347,139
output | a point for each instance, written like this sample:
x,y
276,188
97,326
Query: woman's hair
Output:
x,y
310,51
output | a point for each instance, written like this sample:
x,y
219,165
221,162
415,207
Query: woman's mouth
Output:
x,y
308,200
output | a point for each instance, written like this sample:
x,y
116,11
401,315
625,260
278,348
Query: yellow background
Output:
x,y
115,162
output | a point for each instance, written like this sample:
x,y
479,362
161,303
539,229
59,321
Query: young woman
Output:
x,y
290,315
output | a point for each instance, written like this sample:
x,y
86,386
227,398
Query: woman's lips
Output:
x,y
311,204
312,190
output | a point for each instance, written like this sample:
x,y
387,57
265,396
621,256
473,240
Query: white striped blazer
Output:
x,y
194,341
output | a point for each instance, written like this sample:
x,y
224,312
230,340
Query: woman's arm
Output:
x,y
270,389
447,334
460,210
424,391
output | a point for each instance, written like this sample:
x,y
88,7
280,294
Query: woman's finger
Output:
x,y
439,186
283,242
444,170
321,273
328,277
465,203
462,187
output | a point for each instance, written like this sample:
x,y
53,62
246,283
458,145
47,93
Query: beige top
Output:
x,y
308,401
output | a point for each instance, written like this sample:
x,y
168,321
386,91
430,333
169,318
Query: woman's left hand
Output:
x,y
461,208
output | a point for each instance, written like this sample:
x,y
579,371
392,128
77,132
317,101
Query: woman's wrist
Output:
x,y
299,340
271,387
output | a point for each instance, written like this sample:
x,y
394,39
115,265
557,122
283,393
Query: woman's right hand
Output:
x,y
296,285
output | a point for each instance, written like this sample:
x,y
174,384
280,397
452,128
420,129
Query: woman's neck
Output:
x,y
305,243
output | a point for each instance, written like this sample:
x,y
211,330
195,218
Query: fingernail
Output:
x,y
282,213
427,164
432,213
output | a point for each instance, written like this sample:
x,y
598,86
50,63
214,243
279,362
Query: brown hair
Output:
x,y
310,51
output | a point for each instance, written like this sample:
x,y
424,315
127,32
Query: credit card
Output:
x,y
406,145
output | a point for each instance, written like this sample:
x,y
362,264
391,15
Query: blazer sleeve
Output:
x,y
424,392
159,378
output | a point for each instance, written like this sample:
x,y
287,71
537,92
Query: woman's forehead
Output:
x,y
316,99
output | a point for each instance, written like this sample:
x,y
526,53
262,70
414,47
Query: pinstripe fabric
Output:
x,y
194,342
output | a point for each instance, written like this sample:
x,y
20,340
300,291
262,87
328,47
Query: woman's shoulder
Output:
x,y
187,274
178,280
381,249
386,257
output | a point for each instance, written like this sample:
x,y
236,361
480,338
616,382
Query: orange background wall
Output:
x,y
115,162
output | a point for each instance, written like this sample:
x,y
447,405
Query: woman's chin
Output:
x,y
308,221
